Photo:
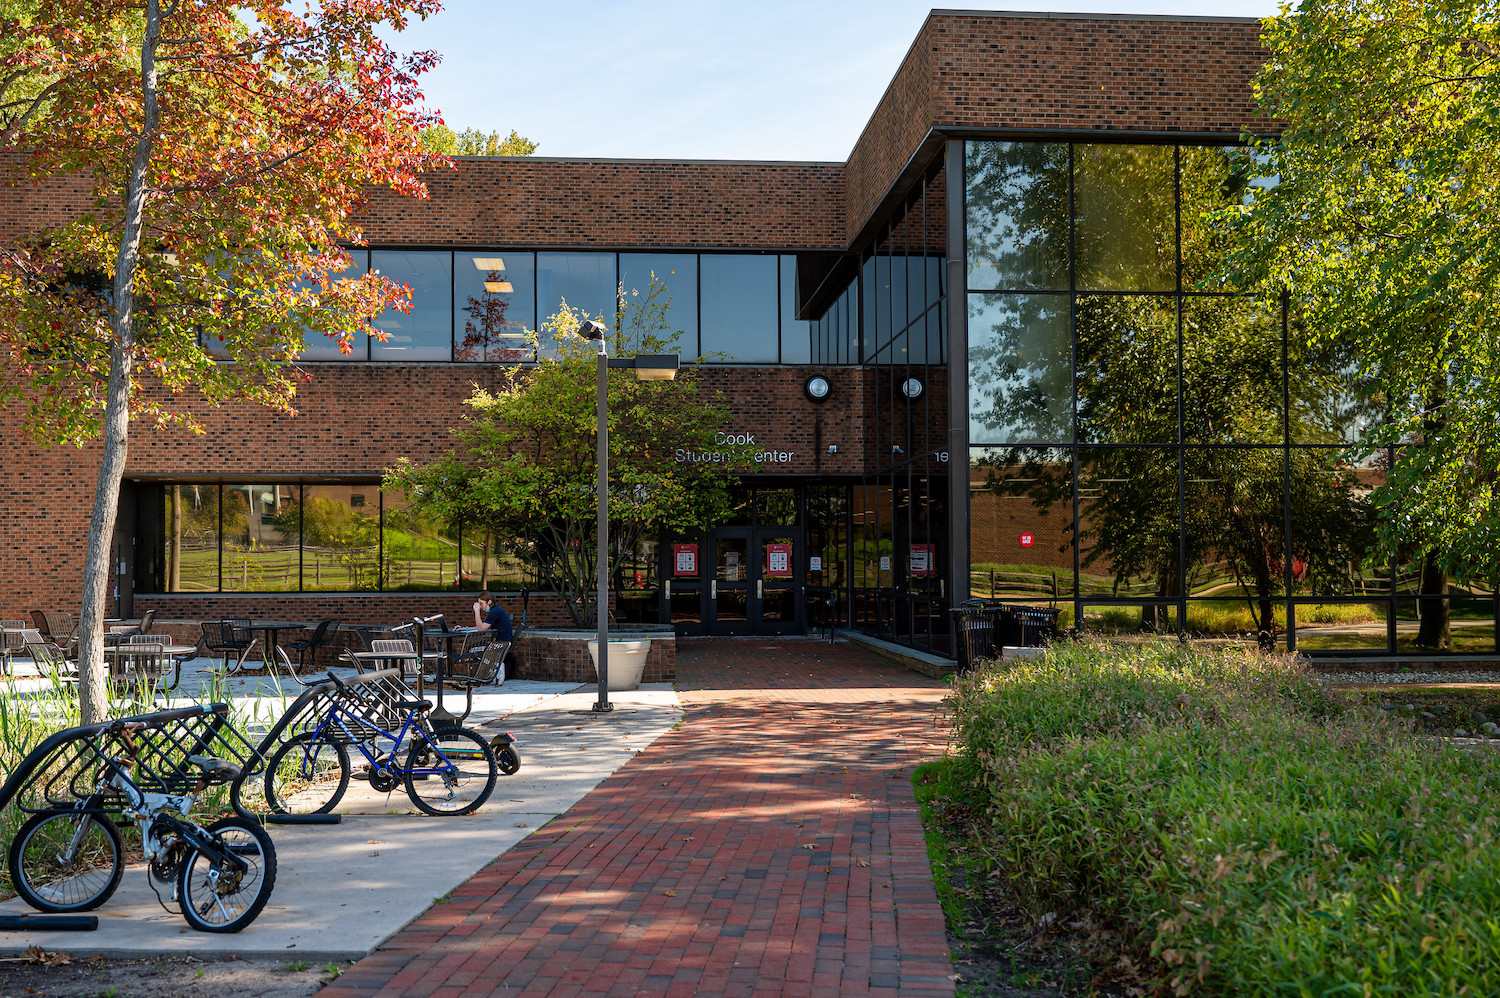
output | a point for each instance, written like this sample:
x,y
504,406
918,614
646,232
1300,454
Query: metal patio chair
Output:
x,y
307,648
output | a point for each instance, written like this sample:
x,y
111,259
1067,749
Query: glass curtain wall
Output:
x,y
1150,454
237,537
899,514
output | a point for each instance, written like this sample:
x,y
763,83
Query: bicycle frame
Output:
x,y
334,718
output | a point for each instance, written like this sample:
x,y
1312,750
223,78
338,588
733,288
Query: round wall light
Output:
x,y
911,388
817,388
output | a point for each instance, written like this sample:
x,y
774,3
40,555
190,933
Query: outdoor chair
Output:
x,y
411,668
50,660
57,627
307,648
365,638
221,639
475,643
239,668
488,669
140,664
12,641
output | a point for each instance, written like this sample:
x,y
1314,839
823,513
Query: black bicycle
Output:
x,y
152,769
449,770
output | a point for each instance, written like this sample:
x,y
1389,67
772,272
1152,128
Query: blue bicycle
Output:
x,y
449,770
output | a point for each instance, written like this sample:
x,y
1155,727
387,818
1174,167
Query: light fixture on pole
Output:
x,y
647,367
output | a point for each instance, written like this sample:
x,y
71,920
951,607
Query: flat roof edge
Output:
x,y
1075,16
651,162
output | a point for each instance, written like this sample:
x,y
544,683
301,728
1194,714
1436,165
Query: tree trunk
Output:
x,y
93,699
174,551
1433,631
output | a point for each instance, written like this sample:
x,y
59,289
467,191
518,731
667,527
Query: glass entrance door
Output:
x,y
778,590
730,586
684,575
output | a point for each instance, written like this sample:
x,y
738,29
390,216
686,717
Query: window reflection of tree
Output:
x,y
1127,382
488,334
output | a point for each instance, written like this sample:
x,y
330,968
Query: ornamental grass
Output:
x,y
1246,830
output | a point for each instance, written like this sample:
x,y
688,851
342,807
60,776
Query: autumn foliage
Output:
x,y
269,125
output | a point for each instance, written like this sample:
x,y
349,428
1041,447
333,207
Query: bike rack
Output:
x,y
374,696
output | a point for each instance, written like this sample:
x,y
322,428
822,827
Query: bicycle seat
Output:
x,y
217,769
415,704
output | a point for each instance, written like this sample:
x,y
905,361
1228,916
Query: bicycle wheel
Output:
x,y
307,776
509,760
451,771
216,897
66,860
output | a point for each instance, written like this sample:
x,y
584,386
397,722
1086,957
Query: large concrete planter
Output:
x,y
627,662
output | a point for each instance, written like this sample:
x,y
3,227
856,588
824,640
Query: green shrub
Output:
x,y
1255,833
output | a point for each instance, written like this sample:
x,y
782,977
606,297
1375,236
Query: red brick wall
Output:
x,y
1055,71
353,419
548,202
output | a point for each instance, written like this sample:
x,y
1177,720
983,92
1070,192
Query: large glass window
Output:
x,y
1127,369
341,537
191,539
796,334
261,528
1221,485
740,308
426,332
676,307
1126,218
586,281
318,346
1016,207
495,297
1020,369
315,538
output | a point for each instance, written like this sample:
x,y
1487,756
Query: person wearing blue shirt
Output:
x,y
491,616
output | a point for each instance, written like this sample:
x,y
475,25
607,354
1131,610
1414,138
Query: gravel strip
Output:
x,y
1447,676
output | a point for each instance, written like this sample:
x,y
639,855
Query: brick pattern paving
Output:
x,y
770,845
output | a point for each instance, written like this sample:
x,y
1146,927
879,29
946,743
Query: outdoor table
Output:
x,y
127,651
440,714
396,659
271,627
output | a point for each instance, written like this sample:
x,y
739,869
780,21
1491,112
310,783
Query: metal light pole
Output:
x,y
647,367
601,601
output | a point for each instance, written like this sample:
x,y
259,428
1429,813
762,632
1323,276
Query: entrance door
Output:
x,y
778,589
730,585
685,575
756,586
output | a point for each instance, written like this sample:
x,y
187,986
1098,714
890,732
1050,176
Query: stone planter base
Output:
x,y
563,656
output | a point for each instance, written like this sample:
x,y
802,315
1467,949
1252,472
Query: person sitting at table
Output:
x,y
491,616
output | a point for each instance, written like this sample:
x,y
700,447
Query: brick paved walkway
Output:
x,y
770,845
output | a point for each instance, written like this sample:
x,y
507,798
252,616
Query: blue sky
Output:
x,y
770,79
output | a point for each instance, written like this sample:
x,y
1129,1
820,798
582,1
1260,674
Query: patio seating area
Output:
x,y
245,657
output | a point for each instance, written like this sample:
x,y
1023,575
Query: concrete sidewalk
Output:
x,y
343,889
769,845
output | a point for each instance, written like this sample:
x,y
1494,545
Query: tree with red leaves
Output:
x,y
227,147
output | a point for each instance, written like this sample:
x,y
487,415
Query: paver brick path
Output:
x,y
770,845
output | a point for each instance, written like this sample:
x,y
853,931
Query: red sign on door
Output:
x,y
1027,540
922,556
684,559
778,561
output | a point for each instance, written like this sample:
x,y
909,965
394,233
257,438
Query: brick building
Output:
x,y
1018,221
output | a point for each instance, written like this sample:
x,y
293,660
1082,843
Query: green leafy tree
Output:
x,y
1375,212
524,459
441,140
227,149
